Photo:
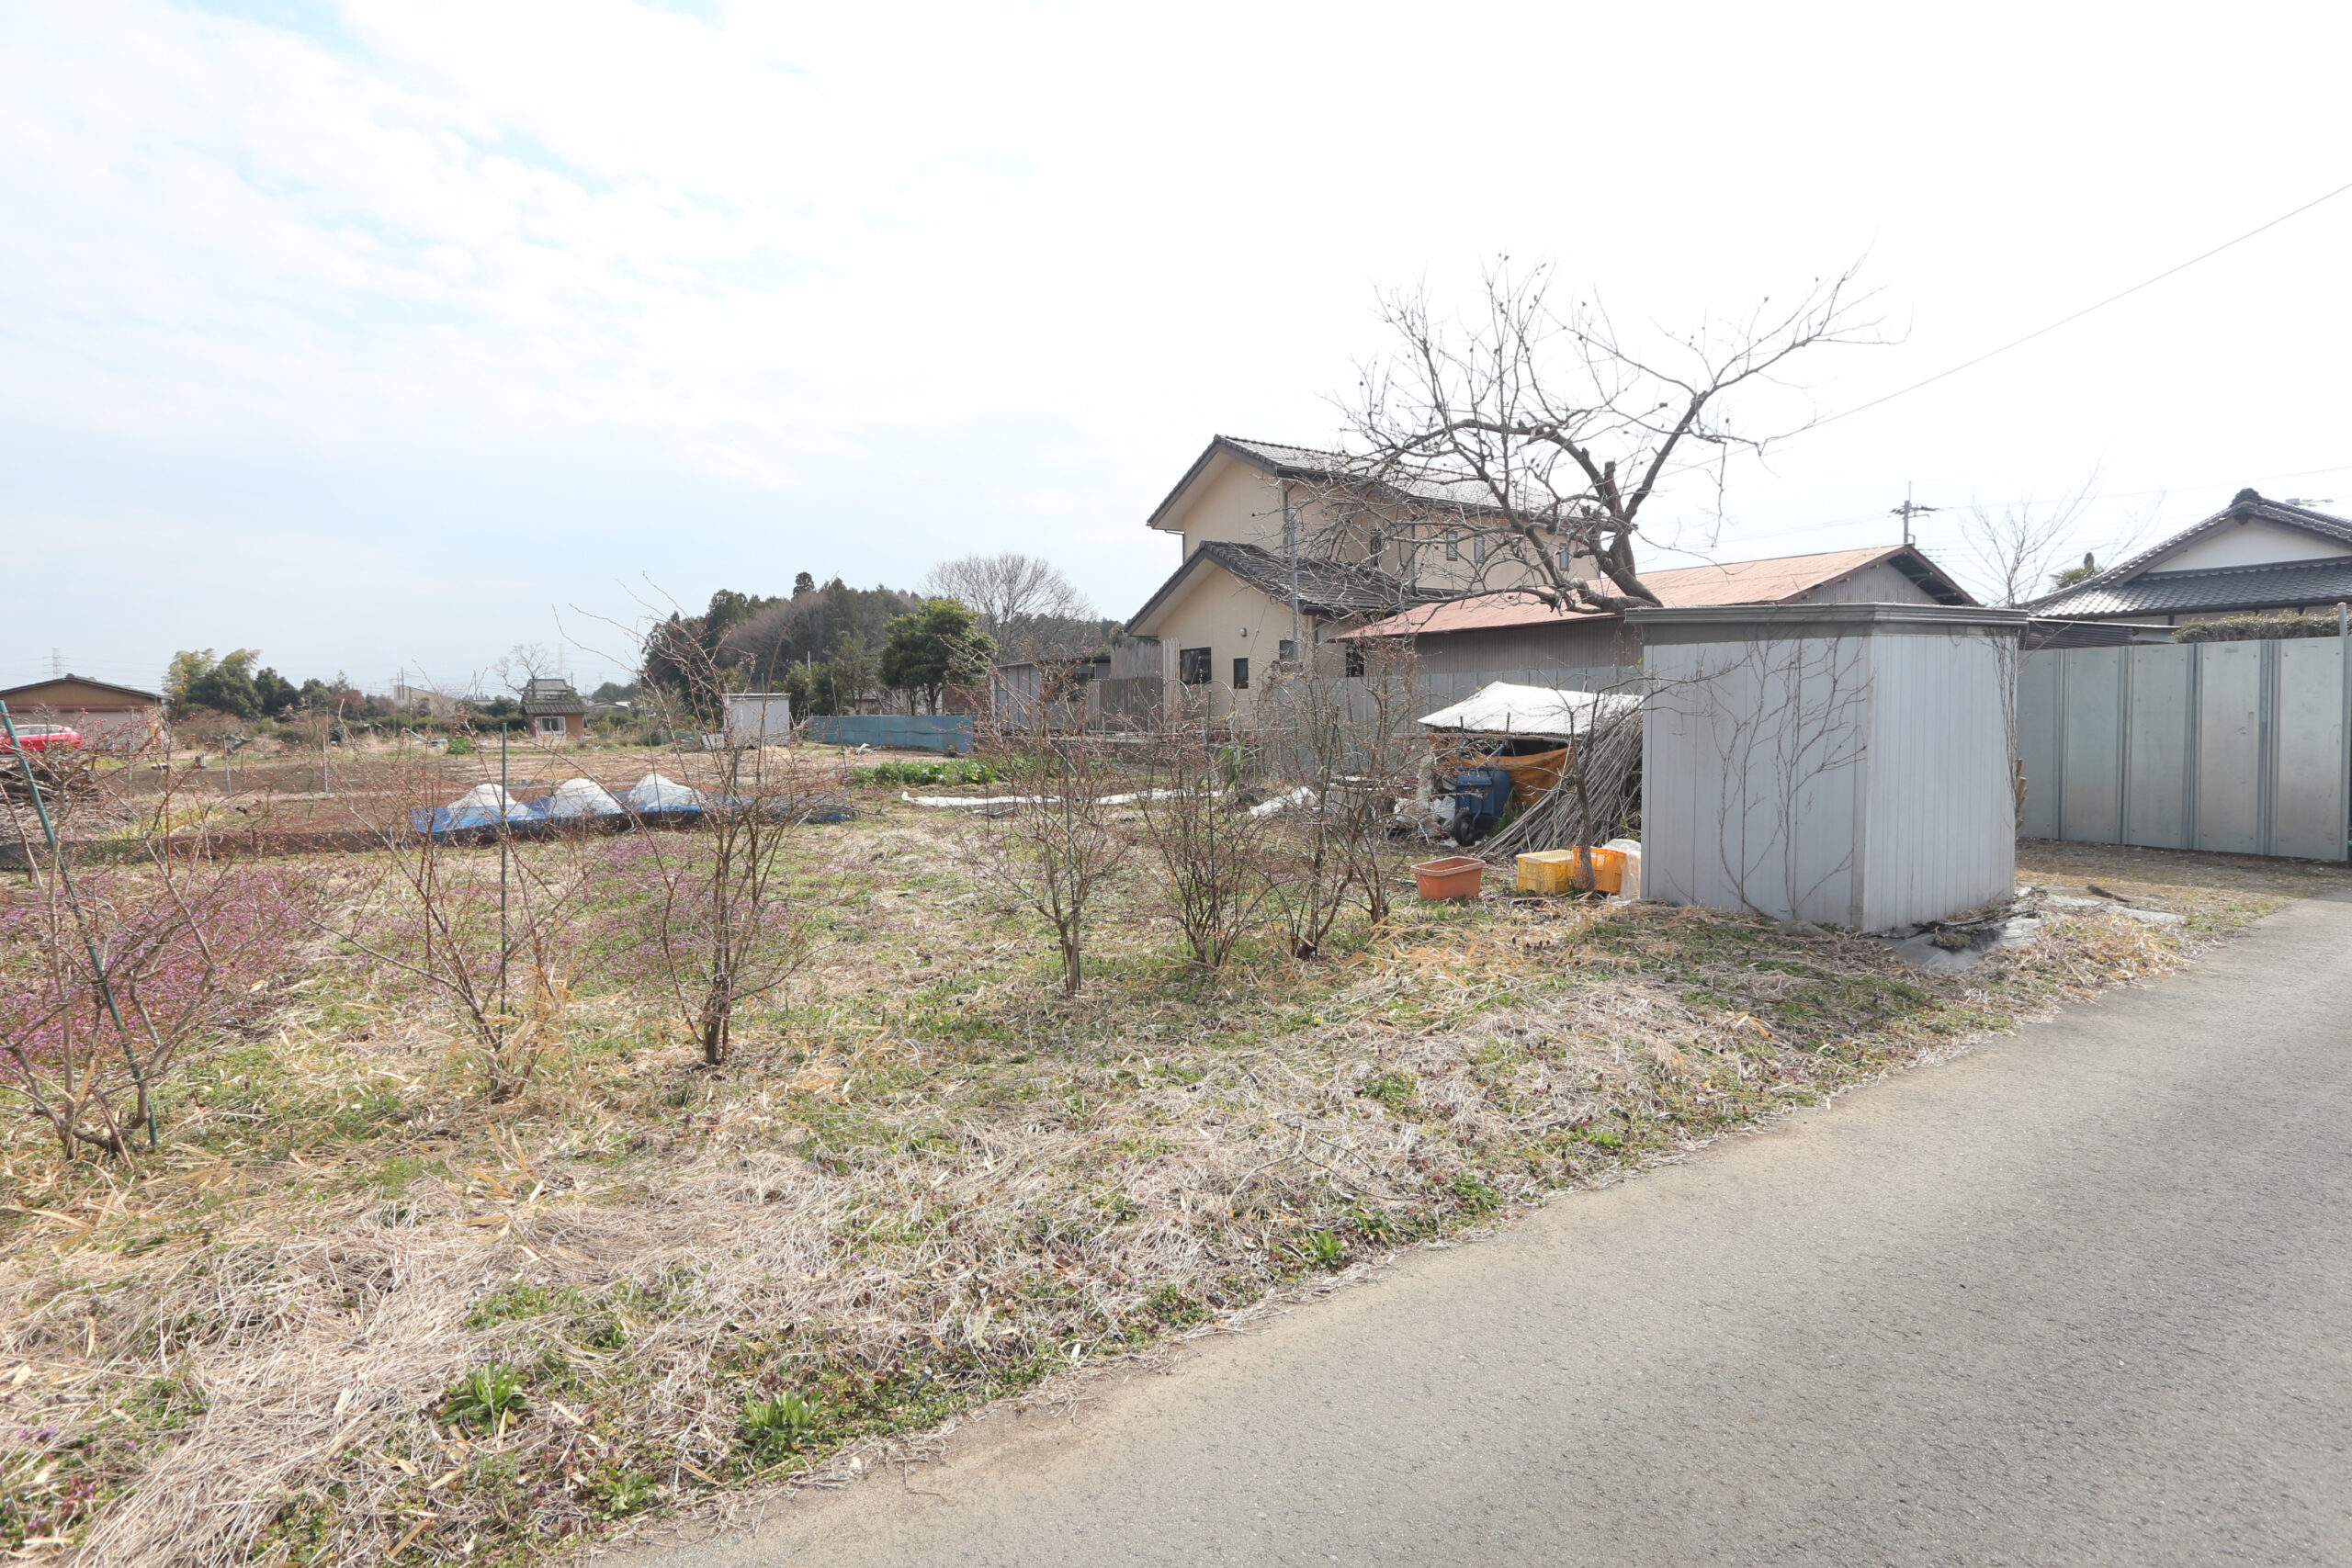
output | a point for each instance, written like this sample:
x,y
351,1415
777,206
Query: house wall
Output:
x,y
1239,504
1880,584
2252,542
1232,620
103,717
1604,640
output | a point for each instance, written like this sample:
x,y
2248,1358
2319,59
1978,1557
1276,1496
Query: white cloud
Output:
x,y
852,288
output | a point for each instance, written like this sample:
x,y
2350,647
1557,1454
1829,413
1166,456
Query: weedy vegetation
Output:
x,y
419,1268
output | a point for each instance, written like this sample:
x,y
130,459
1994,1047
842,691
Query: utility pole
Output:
x,y
1908,510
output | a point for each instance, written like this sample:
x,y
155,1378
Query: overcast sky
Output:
x,y
382,334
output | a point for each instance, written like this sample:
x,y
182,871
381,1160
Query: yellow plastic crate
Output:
x,y
1548,871
1570,871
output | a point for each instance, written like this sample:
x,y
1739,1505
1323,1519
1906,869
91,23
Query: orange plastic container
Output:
x,y
1455,876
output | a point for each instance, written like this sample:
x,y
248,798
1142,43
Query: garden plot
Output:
x,y
366,1302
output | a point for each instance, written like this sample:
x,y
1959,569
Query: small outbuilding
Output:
x,y
1846,764
105,713
555,710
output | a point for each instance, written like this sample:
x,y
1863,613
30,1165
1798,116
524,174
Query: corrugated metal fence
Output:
x,y
2231,746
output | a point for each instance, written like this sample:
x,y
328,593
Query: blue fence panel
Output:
x,y
915,733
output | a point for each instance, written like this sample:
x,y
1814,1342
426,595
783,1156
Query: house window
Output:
x,y
1478,549
550,724
1567,560
1453,544
1377,543
1355,659
1241,674
1192,666
1287,651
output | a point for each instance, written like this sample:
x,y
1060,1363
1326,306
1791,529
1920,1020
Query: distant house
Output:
x,y
2253,555
1284,547
104,713
555,710
1491,633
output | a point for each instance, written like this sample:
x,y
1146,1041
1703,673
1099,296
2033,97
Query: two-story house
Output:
x,y
1284,547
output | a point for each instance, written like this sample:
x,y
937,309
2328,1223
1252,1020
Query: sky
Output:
x,y
385,337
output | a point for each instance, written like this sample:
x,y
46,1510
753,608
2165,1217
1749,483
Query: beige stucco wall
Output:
x,y
2250,543
1231,620
1239,504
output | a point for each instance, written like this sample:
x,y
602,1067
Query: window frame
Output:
x,y
1192,666
1240,671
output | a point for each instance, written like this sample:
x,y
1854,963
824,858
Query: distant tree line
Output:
x,y
834,649
231,683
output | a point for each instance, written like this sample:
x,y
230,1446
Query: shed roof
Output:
x,y
1776,580
33,692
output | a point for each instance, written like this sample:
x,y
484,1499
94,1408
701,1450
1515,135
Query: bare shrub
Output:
x,y
1054,840
719,924
109,976
489,932
1211,848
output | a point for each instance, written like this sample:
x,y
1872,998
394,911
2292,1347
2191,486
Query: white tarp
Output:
x,y
1543,712
655,793
489,800
581,798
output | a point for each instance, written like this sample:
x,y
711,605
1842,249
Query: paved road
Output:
x,y
2082,1297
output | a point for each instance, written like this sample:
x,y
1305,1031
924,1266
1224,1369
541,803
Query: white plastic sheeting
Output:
x,y
491,801
581,797
656,793
1543,713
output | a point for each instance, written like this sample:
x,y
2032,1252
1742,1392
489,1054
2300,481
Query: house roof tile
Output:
x,y
1325,587
2259,587
2248,505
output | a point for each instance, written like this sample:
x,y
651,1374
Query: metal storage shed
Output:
x,y
1847,764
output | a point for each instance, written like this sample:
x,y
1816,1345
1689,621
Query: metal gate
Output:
x,y
2231,746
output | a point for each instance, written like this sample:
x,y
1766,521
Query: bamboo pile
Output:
x,y
1598,796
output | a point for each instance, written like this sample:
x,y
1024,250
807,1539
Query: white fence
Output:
x,y
2231,746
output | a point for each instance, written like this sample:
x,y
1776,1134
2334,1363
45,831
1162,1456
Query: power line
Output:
x,y
2066,320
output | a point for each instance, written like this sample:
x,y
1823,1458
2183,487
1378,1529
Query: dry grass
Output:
x,y
926,1182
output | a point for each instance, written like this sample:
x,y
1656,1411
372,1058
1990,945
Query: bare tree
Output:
x,y
525,662
1009,591
2016,547
1520,448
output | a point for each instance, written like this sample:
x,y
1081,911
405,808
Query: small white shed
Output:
x,y
1846,764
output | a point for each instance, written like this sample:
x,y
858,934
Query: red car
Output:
x,y
43,737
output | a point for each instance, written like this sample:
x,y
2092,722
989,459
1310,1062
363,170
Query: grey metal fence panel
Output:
x,y
2308,748
2091,779
2240,747
2159,688
2037,752
2229,748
